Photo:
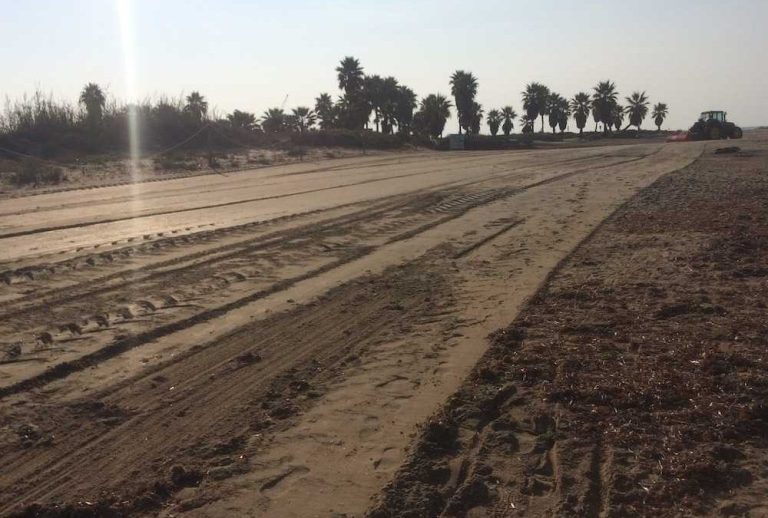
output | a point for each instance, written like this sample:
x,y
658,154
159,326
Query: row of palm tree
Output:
x,y
392,105
504,119
603,104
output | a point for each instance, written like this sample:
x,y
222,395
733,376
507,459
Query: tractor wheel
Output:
x,y
714,133
737,133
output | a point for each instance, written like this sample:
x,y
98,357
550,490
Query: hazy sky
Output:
x,y
692,54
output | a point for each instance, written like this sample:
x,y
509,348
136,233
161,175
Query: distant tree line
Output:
x,y
365,103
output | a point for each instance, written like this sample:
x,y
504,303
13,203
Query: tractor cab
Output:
x,y
716,116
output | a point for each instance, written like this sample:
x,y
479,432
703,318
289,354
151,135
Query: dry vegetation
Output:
x,y
634,383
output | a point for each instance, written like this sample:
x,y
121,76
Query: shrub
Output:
x,y
34,172
260,159
173,163
488,142
296,151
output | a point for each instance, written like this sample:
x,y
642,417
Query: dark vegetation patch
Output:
x,y
634,384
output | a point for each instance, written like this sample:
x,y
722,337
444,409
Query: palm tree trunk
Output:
x,y
542,123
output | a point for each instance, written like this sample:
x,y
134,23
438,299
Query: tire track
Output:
x,y
158,415
121,345
432,170
51,295
209,399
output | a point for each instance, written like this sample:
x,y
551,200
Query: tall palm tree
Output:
x,y
273,120
494,121
535,100
389,95
531,101
603,101
434,111
508,114
555,102
580,108
637,108
350,75
660,112
94,100
304,118
373,87
355,110
404,106
325,111
196,106
464,90
542,92
559,112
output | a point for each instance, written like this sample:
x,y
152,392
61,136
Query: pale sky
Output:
x,y
695,55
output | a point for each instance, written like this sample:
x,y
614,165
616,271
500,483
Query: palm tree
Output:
x,y
535,99
563,113
527,124
464,90
555,102
530,102
603,101
304,118
373,86
388,95
475,119
404,106
354,110
325,111
494,121
595,115
659,114
273,120
94,100
637,109
434,111
197,106
508,114
559,111
618,116
242,120
580,109
542,92
350,75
